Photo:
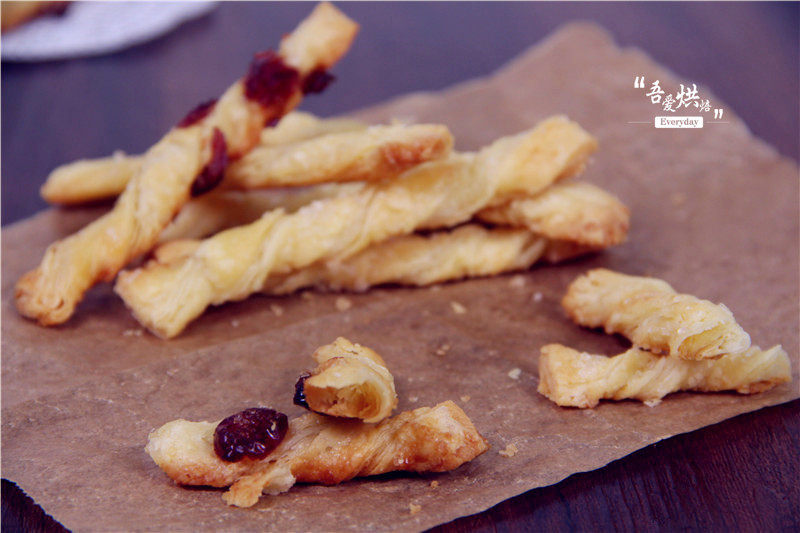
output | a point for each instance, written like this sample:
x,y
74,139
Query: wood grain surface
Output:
x,y
738,475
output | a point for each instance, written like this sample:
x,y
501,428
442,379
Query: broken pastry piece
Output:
x,y
653,316
350,381
320,449
577,379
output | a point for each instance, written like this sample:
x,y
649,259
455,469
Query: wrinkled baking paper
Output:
x,y
714,212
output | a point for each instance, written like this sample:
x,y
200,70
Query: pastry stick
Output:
x,y
571,211
235,263
377,153
350,381
222,209
577,379
91,180
653,316
190,158
320,449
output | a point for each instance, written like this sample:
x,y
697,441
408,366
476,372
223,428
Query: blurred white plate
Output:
x,y
95,28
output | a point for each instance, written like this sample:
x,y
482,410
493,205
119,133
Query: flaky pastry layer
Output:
x,y
653,316
90,180
235,263
162,185
577,379
320,449
570,211
350,381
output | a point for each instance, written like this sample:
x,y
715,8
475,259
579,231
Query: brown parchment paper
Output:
x,y
714,212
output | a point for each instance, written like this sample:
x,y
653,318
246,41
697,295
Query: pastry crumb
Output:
x,y
413,508
234,323
514,373
465,398
652,403
413,399
434,484
343,304
517,281
458,308
276,309
307,295
443,349
132,333
509,451
537,296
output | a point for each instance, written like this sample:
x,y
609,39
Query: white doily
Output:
x,y
95,28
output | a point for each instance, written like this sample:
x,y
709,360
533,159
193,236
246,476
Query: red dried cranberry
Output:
x,y
212,173
254,433
299,390
197,114
270,81
317,81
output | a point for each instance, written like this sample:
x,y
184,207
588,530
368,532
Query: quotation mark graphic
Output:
x,y
717,114
638,83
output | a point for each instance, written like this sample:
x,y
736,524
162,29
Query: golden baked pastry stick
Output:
x,y
571,211
235,263
222,209
418,260
350,381
376,153
577,379
653,316
320,449
188,158
90,180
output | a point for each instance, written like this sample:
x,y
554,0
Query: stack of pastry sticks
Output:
x,y
318,202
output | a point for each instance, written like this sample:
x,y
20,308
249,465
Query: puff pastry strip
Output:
x,y
653,316
376,153
320,449
573,211
96,253
90,180
235,263
578,379
223,209
350,381
418,260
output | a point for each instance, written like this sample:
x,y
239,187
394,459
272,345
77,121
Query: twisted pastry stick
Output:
x,y
223,209
169,170
575,379
235,263
377,153
350,380
573,211
90,180
653,316
417,260
320,449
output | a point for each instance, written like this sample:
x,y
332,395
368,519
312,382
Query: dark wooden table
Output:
x,y
738,475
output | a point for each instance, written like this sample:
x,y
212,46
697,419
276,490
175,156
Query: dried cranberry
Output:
x,y
299,390
197,114
270,81
254,432
212,173
317,81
